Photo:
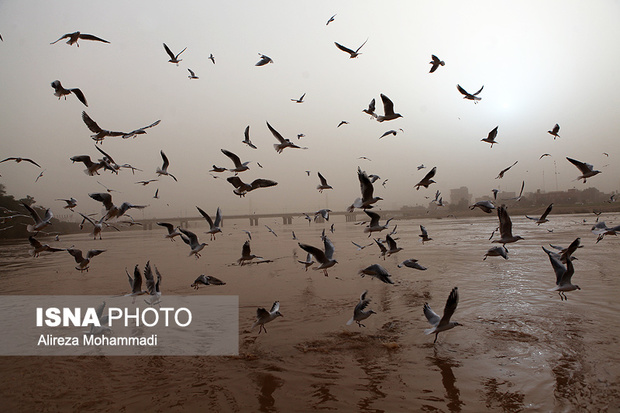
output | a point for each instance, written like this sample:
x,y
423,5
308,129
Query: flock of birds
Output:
x,y
323,256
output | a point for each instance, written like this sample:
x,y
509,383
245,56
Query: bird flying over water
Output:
x,y
74,37
469,96
443,323
192,240
173,58
112,211
352,54
436,62
503,171
263,316
323,185
587,170
246,253
60,91
543,217
323,257
214,226
377,271
241,188
360,313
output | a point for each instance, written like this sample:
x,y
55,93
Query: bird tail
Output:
x,y
430,330
30,228
350,321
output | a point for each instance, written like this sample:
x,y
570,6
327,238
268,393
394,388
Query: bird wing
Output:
x,y
381,246
344,49
374,217
166,161
275,307
179,54
582,166
505,224
93,253
365,185
206,216
391,242
261,313
32,213
78,93
262,183
475,94
547,211
233,157
493,133
34,242
322,179
371,105
432,317
169,51
90,123
317,253
388,105
170,227
557,265
105,154
32,162
62,37
136,286
87,218
424,233
77,254
451,303
91,37
329,248
463,91
275,133
191,72
246,134
103,197
358,49
218,217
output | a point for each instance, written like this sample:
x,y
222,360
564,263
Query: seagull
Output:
x,y
505,227
145,183
192,240
108,189
323,185
486,206
352,54
601,230
390,132
543,217
566,253
97,226
71,203
264,59
586,169
164,168
424,235
211,58
300,135
367,199
217,169
360,313
563,275
206,280
140,131
371,109
112,211
555,131
99,134
18,160
39,248
263,316
377,271
331,19
381,247
214,226
374,225
192,75
300,100
503,171
173,58
80,260
322,213
469,96
518,198
360,247
436,62
427,180
270,230
246,253
239,167
135,283
284,143
491,137
412,263
443,323
172,230
60,91
39,176
325,258
543,155
39,223
393,249
74,37
388,110
308,262
246,138
241,188
496,251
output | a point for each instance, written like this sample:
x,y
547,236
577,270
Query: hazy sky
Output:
x,y
541,63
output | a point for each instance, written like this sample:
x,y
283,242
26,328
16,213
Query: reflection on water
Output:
x,y
520,347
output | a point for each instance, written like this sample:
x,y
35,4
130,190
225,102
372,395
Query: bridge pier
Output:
x,y
287,220
253,221
351,217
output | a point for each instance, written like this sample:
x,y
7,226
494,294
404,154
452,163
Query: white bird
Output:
x,y
97,225
388,110
555,131
427,180
469,96
323,185
60,91
239,166
412,263
601,229
39,248
74,37
324,258
496,251
241,188
563,275
206,280
172,230
83,263
367,189
436,62
486,206
246,138
443,323
263,316
352,54
164,168
308,262
543,217
264,59
360,313
39,223
300,100
192,75
283,143
377,271
392,247
71,203
192,240
587,170
374,225
214,226
246,253
491,137
505,227
173,58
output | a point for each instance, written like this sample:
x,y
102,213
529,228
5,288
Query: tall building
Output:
x,y
460,194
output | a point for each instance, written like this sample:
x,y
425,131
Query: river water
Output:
x,y
520,348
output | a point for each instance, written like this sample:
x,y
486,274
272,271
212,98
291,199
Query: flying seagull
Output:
x,y
505,227
424,235
212,58
360,313
270,230
324,258
486,206
469,96
543,217
18,160
331,19
192,240
503,171
39,223
74,37
264,59
92,168
112,211
60,91
427,180
352,54
192,75
263,316
164,168
83,263
97,225
555,131
323,185
283,143
491,137
173,58
367,189
241,188
239,166
496,251
342,122
371,109
543,155
377,271
443,323
388,110
206,280
214,226
172,230
436,62
563,275
300,100
412,263
308,262
71,203
39,248
246,253
374,225
587,170
390,132
246,138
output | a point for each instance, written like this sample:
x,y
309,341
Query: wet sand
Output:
x,y
520,347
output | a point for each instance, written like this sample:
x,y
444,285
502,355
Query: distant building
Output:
x,y
460,195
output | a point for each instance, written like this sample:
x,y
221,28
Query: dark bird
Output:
x,y
503,171
371,109
300,100
39,223
212,58
191,239
246,138
555,131
436,62
18,160
543,217
206,280
324,258
264,59
323,185
283,143
92,168
241,188
246,253
60,91
587,170
388,110
173,58
352,54
427,180
367,189
491,137
83,263
164,168
74,37
39,248
469,96
443,323
424,235
112,211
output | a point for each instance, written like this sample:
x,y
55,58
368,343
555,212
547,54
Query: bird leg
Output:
x,y
325,273
360,324
436,335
